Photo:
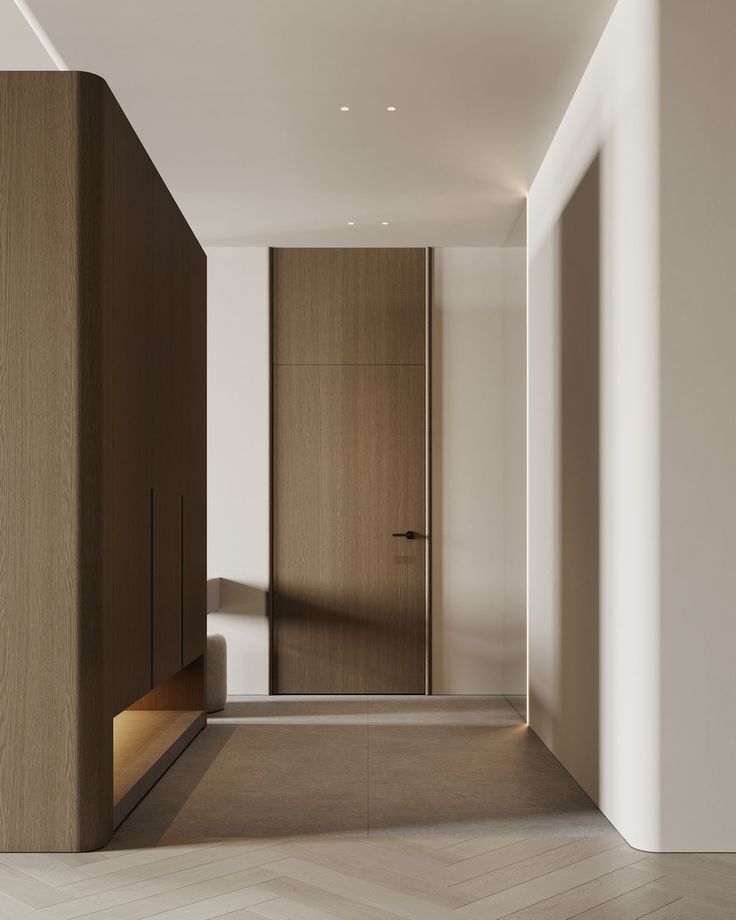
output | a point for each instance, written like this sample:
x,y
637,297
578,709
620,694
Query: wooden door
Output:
x,y
349,471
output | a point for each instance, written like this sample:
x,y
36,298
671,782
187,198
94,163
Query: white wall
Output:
x,y
656,754
20,47
478,458
698,423
614,114
479,467
514,447
238,460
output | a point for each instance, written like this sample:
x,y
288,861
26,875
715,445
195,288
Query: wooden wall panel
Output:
x,y
349,306
55,170
102,327
194,420
132,362
184,690
168,485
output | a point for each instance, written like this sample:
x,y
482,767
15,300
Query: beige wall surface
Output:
x,y
238,460
632,684
478,475
20,46
594,648
698,423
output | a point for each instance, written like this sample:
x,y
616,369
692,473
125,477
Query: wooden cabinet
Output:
x,y
132,374
179,440
168,460
102,466
194,439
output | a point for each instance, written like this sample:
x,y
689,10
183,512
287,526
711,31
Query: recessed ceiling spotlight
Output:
x,y
351,223
344,108
384,223
390,108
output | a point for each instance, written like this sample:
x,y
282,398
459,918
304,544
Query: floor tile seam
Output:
x,y
656,910
146,897
167,859
623,895
546,875
596,906
524,859
114,870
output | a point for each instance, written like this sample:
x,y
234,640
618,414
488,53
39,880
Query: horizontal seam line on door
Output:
x,y
342,364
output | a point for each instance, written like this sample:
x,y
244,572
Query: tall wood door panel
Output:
x,y
132,365
168,490
194,438
349,471
349,306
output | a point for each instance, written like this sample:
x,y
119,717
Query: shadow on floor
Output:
x,y
273,767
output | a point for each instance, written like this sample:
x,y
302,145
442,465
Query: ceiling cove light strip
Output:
x,y
40,33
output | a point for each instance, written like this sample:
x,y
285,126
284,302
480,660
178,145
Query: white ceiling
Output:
x,y
20,49
238,104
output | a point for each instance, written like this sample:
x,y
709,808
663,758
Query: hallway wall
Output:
x,y
478,459
612,749
238,460
697,379
630,682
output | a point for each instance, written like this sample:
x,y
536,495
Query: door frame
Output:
x,y
428,278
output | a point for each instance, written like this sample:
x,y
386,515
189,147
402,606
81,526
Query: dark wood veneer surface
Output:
x,y
79,344
132,360
349,306
194,434
54,770
168,460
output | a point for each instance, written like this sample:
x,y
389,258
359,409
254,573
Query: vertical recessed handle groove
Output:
x,y
181,580
152,573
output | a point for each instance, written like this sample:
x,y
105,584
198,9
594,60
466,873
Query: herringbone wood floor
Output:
x,y
165,863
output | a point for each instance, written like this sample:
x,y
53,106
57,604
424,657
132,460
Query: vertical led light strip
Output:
x,y
40,33
428,468
526,425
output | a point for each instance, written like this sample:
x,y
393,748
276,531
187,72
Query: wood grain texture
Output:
x,y
183,690
55,763
132,361
166,862
349,306
194,420
95,158
145,744
168,467
77,341
348,598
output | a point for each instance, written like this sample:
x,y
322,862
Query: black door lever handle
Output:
x,y
408,534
